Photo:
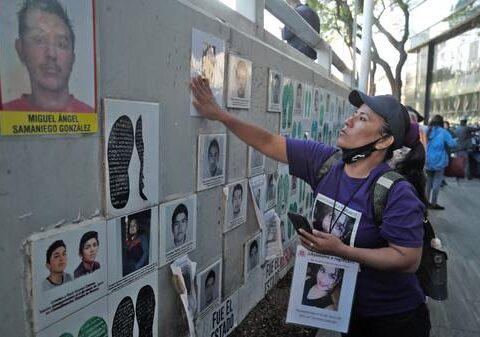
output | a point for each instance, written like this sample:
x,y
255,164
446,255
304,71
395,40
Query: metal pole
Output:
x,y
354,44
366,44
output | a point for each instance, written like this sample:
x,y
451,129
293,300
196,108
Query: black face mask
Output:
x,y
352,155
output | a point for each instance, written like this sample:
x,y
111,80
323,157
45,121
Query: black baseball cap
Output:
x,y
387,106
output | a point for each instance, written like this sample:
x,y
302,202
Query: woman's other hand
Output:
x,y
203,99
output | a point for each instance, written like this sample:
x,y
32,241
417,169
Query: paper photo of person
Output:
x,y
252,259
275,84
178,228
209,286
88,250
211,160
56,262
208,60
341,221
298,88
271,190
235,204
256,162
132,247
322,286
239,82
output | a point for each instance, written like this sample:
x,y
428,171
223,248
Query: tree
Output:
x,y
338,17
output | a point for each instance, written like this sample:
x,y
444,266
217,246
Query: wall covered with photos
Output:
x,y
128,187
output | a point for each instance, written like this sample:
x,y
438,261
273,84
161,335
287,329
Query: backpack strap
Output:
x,y
327,165
381,187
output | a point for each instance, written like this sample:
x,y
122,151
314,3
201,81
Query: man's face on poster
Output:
x,y
241,77
58,261
209,290
213,157
237,202
253,255
180,229
315,101
46,50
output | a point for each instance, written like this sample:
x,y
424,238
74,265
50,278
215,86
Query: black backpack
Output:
x,y
432,272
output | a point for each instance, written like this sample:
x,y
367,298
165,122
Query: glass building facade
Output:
x,y
443,67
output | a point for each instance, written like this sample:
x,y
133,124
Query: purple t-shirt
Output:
x,y
377,292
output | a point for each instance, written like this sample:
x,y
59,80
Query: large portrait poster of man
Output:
x,y
47,67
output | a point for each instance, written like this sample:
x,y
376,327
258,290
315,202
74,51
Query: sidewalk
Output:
x,y
458,226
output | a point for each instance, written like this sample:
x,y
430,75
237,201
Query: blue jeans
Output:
x,y
434,181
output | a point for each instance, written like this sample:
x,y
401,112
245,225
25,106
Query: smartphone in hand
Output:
x,y
300,222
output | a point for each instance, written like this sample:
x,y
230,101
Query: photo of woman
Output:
x,y
332,221
322,286
136,244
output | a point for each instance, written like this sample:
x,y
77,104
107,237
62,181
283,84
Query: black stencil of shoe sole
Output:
x,y
124,319
145,310
140,150
119,154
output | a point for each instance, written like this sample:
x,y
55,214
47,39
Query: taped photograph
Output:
x,y
178,228
256,162
208,60
235,204
275,84
239,82
253,255
211,160
209,283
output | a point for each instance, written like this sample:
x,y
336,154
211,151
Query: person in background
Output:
x,y
309,15
464,136
439,141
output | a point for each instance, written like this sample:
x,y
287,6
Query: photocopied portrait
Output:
x,y
178,228
133,247
275,83
235,204
252,259
131,155
298,98
184,271
271,190
341,221
47,63
63,262
239,82
256,162
209,286
208,60
211,160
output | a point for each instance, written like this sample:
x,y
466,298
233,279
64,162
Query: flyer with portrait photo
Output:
x,y
253,258
256,162
298,98
132,247
68,267
341,221
211,160
239,82
208,60
258,192
271,189
322,291
272,236
178,228
47,76
131,155
235,204
209,283
275,84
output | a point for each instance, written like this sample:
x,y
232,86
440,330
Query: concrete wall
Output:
x,y
143,51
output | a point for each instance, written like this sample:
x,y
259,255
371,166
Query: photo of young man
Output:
x,y
56,262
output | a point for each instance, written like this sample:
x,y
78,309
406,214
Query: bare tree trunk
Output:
x,y
372,88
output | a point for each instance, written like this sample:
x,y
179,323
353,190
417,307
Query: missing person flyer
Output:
x,y
322,290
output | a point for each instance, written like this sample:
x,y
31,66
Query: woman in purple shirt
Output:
x,y
389,301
